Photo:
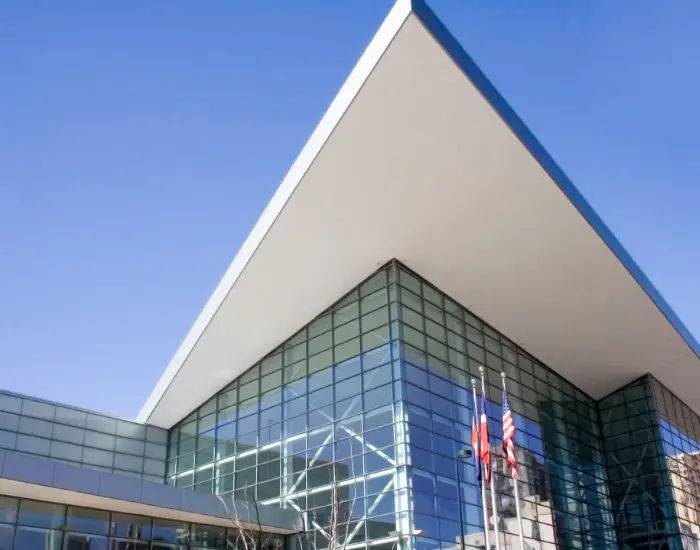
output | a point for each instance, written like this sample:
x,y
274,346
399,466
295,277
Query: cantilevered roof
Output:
x,y
419,158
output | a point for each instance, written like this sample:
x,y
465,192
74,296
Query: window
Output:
x,y
41,514
86,520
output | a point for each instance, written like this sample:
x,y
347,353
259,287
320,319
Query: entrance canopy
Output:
x,y
419,158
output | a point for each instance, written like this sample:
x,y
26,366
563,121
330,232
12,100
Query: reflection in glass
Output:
x,y
76,530
7,535
132,527
41,539
41,514
375,397
75,541
87,520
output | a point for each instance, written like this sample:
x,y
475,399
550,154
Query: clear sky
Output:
x,y
140,141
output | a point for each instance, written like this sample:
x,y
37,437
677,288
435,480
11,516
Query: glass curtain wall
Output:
x,y
563,485
83,438
652,441
679,428
375,395
312,425
30,524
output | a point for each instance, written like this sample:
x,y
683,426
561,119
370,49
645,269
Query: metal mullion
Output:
x,y
378,498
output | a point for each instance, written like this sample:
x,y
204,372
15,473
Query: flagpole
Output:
x,y
483,481
516,492
493,473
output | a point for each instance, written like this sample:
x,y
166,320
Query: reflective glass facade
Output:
x,y
680,435
320,408
375,394
83,438
35,525
563,486
652,444
641,495
361,415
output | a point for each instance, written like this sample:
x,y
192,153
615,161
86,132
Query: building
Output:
x,y
324,391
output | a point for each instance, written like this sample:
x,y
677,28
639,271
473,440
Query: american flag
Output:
x,y
508,436
484,443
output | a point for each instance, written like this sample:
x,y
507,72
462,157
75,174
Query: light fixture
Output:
x,y
465,453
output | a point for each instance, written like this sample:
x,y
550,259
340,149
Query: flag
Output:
x,y
509,436
484,443
475,446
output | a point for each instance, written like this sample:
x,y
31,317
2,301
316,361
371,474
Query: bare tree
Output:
x,y
244,514
246,537
337,533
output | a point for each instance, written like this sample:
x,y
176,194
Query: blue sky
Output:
x,y
139,142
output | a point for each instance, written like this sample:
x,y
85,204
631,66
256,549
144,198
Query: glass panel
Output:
x,y
130,446
128,545
87,520
206,536
7,535
38,409
132,527
34,445
174,532
97,457
8,509
69,434
102,423
41,514
41,539
66,451
75,541
103,441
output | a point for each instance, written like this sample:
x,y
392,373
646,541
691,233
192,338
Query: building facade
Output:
x,y
83,438
323,397
373,397
378,388
651,442
30,524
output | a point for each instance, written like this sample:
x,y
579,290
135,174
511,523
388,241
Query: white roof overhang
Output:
x,y
419,158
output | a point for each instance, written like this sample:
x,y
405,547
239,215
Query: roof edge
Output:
x,y
343,99
472,71
379,43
